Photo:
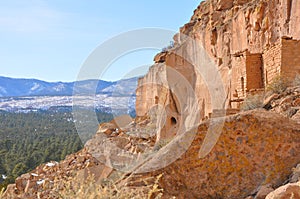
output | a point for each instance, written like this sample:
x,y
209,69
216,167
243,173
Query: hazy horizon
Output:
x,y
21,78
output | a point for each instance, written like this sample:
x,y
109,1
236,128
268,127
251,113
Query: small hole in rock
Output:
x,y
173,121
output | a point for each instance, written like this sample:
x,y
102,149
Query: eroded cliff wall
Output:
x,y
239,38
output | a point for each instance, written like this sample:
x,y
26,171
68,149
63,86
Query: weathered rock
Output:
x,y
297,102
21,183
224,4
99,172
40,180
291,190
296,174
269,99
228,49
287,100
255,148
285,103
122,121
29,185
107,128
160,57
10,190
119,151
264,191
249,43
296,117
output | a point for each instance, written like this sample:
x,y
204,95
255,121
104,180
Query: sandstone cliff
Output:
x,y
228,50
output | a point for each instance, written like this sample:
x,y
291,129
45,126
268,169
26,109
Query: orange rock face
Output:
x,y
248,43
229,48
254,149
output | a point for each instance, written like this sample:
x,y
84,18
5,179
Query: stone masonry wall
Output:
x,y
272,63
254,71
290,58
283,58
239,77
246,74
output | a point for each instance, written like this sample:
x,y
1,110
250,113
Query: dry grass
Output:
x,y
90,189
1,193
155,191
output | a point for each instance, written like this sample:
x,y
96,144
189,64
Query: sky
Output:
x,y
51,39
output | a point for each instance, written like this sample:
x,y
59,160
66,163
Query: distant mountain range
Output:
x,y
26,95
12,87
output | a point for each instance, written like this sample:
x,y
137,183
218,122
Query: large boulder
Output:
x,y
253,149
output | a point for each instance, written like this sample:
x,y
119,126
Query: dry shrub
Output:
x,y
297,80
161,143
279,84
253,102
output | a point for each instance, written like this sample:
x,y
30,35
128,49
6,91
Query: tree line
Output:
x,y
30,139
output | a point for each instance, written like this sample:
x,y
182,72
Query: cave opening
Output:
x,y
173,121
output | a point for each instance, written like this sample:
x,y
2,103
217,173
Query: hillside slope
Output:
x,y
178,147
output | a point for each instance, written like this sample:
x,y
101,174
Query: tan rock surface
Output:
x,y
40,181
255,148
227,49
256,151
264,191
249,42
291,190
285,103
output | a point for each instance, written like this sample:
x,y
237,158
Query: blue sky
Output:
x,y
51,39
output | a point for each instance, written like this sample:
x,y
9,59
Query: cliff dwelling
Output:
x,y
249,47
253,72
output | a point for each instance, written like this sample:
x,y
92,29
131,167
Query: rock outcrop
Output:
x,y
39,183
182,135
254,149
286,103
291,190
115,146
229,48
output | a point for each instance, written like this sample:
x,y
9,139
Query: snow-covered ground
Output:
x,y
3,176
99,102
